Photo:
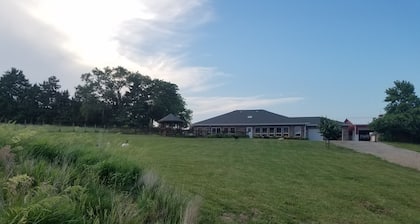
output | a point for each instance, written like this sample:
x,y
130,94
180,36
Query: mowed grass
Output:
x,y
269,181
403,145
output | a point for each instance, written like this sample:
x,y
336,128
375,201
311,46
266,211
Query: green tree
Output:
x,y
48,99
401,98
166,99
120,97
63,107
14,96
32,108
329,129
401,121
101,94
91,109
137,100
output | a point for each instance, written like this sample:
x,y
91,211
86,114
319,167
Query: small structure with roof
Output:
x,y
170,125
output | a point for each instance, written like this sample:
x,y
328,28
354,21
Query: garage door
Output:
x,y
314,134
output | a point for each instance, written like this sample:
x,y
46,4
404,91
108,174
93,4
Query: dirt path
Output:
x,y
389,153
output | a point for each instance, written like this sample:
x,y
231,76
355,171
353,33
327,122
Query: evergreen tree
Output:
x,y
14,96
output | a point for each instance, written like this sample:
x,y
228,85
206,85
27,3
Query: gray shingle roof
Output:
x,y
256,117
170,118
310,120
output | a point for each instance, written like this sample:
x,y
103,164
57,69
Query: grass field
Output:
x,y
409,146
268,181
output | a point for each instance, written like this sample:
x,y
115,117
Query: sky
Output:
x,y
294,58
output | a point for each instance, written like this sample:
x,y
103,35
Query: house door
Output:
x,y
249,132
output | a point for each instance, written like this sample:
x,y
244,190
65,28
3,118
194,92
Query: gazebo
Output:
x,y
170,125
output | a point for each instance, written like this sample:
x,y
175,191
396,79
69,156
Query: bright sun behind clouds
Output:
x,y
142,35
91,27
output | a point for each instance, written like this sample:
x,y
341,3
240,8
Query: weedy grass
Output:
x,y
45,181
236,181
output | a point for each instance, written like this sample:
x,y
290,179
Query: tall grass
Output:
x,y
45,182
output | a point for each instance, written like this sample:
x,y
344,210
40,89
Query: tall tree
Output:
x,y
49,99
103,92
32,108
14,95
401,98
401,121
121,97
166,99
92,110
63,106
137,100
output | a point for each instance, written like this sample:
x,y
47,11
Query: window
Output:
x,y
257,130
264,130
225,130
271,131
286,131
215,131
298,131
278,132
232,130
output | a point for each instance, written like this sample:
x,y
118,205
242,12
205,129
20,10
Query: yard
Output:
x,y
268,181
409,146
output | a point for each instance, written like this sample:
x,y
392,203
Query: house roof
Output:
x,y
170,118
310,120
359,120
256,117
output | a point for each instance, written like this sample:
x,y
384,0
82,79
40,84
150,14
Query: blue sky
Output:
x,y
296,58
338,56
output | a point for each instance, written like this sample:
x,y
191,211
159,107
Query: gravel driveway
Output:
x,y
389,153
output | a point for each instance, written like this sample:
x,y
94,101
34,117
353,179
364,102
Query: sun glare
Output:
x,y
99,33
91,27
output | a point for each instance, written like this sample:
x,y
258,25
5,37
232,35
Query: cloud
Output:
x,y
205,107
33,47
149,36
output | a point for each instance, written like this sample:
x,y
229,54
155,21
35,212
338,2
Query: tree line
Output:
x,y
110,97
401,121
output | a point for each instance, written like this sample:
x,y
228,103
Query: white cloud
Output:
x,y
206,107
149,36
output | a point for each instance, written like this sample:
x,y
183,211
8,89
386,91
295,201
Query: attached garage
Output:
x,y
314,134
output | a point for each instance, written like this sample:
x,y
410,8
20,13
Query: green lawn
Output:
x,y
409,146
269,181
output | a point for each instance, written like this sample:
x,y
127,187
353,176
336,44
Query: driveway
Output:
x,y
389,153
